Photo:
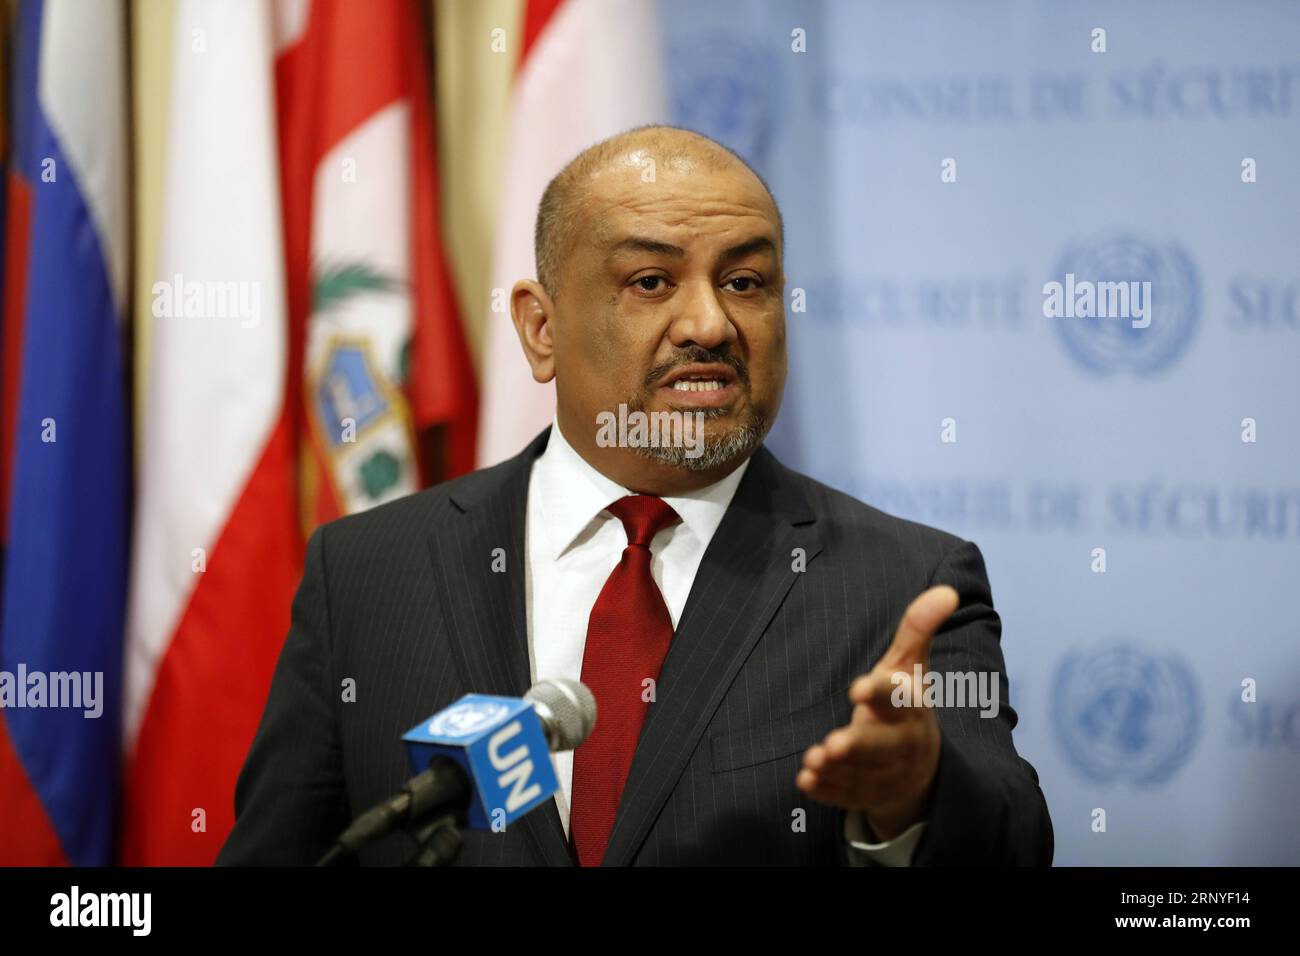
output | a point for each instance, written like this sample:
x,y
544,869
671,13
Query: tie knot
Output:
x,y
643,517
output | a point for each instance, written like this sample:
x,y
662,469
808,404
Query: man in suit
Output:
x,y
753,638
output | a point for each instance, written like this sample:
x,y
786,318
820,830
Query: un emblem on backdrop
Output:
x,y
728,89
1123,714
1105,344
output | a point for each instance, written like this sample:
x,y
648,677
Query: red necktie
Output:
x,y
627,639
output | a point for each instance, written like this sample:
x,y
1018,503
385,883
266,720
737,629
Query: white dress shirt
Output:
x,y
573,544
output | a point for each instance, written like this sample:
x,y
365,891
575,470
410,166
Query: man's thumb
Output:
x,y
921,619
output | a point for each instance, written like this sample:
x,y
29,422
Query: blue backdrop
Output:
x,y
926,380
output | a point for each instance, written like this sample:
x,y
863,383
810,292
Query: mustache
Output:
x,y
698,354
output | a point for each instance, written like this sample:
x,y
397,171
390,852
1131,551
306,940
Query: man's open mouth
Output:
x,y
711,385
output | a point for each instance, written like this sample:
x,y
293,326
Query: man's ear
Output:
x,y
532,309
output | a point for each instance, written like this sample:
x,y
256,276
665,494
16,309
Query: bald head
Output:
x,y
564,210
660,290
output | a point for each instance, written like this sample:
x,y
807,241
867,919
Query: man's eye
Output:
x,y
746,283
650,283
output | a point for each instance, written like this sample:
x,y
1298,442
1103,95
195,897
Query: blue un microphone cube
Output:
x,y
500,744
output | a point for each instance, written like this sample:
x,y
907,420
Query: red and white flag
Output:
x,y
301,188
573,54
217,549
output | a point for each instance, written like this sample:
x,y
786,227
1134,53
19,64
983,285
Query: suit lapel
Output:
x,y
486,618
744,576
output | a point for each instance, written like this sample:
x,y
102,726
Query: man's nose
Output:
x,y
701,318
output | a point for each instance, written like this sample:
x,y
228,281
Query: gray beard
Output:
x,y
718,451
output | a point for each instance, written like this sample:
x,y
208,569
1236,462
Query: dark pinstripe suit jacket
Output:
x,y
403,600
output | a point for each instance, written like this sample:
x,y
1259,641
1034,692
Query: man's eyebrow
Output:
x,y
655,247
749,246
643,244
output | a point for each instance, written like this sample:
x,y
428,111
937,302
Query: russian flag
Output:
x,y
64,441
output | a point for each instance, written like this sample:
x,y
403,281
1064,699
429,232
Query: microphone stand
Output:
x,y
437,842
442,786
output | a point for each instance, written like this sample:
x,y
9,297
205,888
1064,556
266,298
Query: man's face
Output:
x,y
672,300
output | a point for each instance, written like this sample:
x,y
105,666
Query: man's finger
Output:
x,y
857,795
824,791
886,695
920,621
877,746
837,772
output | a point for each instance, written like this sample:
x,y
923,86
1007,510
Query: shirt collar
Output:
x,y
573,494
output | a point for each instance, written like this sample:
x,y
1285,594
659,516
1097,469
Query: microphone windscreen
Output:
x,y
567,708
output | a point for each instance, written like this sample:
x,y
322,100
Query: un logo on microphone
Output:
x,y
1131,304
467,718
1123,714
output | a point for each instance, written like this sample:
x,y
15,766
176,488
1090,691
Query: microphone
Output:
x,y
484,761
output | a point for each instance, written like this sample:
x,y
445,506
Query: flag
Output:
x,y
64,442
218,547
443,386
561,104
303,332
383,354
471,89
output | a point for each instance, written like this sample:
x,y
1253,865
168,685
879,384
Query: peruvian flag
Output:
x,y
573,52
301,181
383,352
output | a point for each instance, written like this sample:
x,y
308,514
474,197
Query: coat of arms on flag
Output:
x,y
357,407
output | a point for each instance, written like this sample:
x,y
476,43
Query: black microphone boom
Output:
x,y
444,786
